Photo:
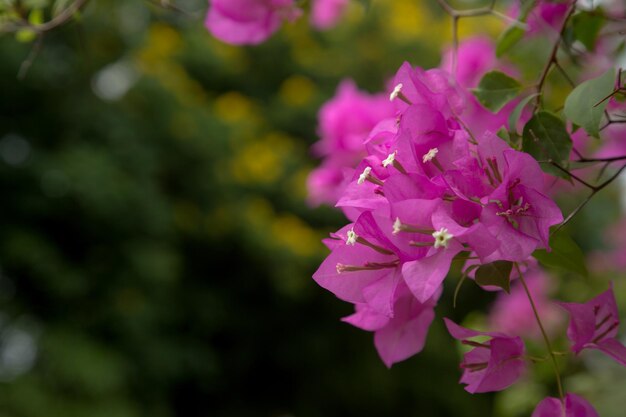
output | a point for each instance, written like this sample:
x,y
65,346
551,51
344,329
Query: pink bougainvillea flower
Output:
x,y
434,88
594,325
346,120
573,406
344,124
425,190
492,365
248,22
517,213
326,13
475,57
403,335
512,313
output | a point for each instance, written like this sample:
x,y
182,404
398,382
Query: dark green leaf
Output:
x,y
565,255
496,89
508,39
581,106
546,138
497,274
586,28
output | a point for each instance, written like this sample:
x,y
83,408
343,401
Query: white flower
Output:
x,y
442,237
364,175
397,226
428,156
390,159
351,240
396,92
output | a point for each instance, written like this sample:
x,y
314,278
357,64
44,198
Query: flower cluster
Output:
x,y
426,180
427,183
430,188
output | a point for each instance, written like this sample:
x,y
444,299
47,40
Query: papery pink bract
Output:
x,y
242,22
594,325
326,13
490,366
573,406
344,124
517,213
474,57
401,336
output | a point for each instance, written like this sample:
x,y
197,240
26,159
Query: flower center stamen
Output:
x,y
397,93
369,266
366,175
398,227
442,237
391,160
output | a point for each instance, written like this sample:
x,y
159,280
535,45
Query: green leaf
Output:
x,y
497,274
546,138
25,35
565,255
581,106
508,39
496,89
586,28
504,135
35,17
517,112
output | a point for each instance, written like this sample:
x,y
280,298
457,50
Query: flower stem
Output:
x,y
543,333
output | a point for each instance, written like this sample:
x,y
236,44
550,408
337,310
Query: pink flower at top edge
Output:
x,y
594,325
492,365
475,57
248,22
326,13
574,406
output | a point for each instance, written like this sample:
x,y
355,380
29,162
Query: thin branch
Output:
x,y
610,159
53,23
555,364
580,180
594,190
28,62
552,58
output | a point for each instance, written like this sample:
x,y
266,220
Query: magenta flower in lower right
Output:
x,y
493,365
594,325
573,406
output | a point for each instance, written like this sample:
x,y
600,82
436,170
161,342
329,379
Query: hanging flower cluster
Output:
x,y
427,177
430,188
434,184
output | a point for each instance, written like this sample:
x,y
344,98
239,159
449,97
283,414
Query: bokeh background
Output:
x,y
156,246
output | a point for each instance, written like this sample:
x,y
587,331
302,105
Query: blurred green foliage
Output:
x,y
156,249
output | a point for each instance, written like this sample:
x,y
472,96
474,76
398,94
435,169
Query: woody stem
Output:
x,y
543,333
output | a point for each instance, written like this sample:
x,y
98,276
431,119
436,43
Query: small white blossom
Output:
x,y
364,175
351,240
390,159
396,92
442,237
397,226
428,156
